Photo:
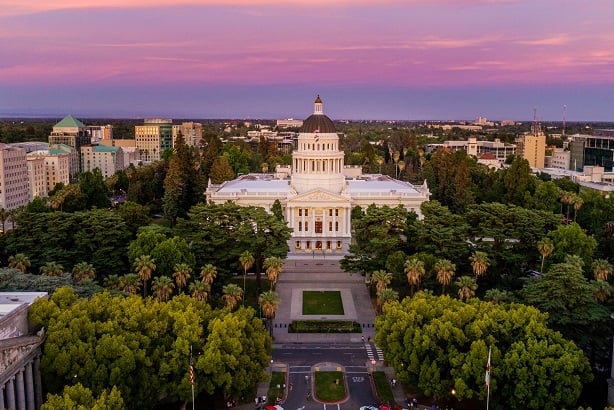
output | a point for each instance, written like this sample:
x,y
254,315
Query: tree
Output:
x,y
208,274
93,187
448,176
602,290
246,260
78,397
20,262
162,288
273,266
466,287
221,171
200,290
232,294
445,272
479,263
545,247
518,180
382,279
270,302
52,269
277,210
386,296
572,240
577,203
4,216
414,269
170,252
130,283
144,265
438,343
602,269
182,275
83,271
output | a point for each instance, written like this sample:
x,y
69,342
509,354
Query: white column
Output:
x,y
30,399
10,394
21,391
38,384
2,405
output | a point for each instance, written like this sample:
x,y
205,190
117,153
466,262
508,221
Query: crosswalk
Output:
x,y
378,355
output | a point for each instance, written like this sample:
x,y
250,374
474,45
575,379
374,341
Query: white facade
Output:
x,y
37,176
107,159
14,184
318,195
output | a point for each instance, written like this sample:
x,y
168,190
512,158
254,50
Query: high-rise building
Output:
x,y
153,137
192,133
71,132
38,176
14,183
107,159
532,146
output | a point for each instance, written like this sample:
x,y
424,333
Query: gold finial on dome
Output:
x,y
318,100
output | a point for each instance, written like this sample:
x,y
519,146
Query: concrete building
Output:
x,y
289,123
14,183
532,147
597,149
71,132
560,159
20,351
37,176
152,138
317,193
98,133
74,164
107,159
192,133
477,148
57,167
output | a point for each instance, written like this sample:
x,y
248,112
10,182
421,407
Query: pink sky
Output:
x,y
312,45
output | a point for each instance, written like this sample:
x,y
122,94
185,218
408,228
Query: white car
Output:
x,y
369,408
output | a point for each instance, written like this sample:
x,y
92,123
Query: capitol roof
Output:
x,y
376,183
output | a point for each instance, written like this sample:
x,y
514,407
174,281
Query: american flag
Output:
x,y
191,370
316,136
487,378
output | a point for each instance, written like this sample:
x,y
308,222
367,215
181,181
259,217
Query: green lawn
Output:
x,y
322,303
329,386
277,379
382,386
324,326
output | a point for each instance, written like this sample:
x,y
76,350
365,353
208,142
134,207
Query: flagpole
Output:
x,y
192,377
488,380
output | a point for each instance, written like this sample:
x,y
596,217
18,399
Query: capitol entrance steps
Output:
x,y
317,270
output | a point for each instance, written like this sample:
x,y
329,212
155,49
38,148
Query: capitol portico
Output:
x,y
317,193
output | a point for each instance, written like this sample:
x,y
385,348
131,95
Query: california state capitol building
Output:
x,y
318,192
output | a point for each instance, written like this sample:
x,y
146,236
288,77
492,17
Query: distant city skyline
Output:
x,y
379,60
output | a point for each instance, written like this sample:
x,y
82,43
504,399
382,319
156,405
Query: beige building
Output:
x,y
153,138
57,167
14,183
318,192
37,176
107,159
71,132
192,133
532,147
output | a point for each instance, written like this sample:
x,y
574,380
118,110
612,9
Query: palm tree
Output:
x,y
602,290
382,279
20,262
83,271
567,199
162,288
200,290
466,287
208,274
130,283
269,302
498,296
144,265
545,247
4,216
247,260
232,294
479,263
273,266
111,282
386,296
445,272
182,275
577,203
414,268
602,269
52,269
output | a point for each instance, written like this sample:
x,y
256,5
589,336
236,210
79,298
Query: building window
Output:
x,y
338,244
336,226
328,247
306,211
330,226
330,212
297,244
306,226
336,211
308,245
300,212
300,226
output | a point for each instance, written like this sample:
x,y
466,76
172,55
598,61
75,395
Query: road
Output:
x,y
353,357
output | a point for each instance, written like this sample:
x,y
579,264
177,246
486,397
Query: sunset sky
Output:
x,y
368,59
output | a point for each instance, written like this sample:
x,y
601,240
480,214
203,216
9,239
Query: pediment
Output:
x,y
318,196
